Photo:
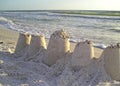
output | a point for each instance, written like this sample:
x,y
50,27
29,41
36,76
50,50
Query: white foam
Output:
x,y
102,46
6,22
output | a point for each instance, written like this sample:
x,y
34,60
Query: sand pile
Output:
x,y
20,73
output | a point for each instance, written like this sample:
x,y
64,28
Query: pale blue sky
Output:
x,y
60,4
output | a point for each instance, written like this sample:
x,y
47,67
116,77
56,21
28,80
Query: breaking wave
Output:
x,y
6,22
97,28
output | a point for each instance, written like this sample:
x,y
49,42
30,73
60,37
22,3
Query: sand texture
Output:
x,y
16,71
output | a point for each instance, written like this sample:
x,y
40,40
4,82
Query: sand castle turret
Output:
x,y
23,42
58,45
82,55
112,61
43,42
37,43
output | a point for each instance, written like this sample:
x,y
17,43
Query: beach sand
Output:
x,y
15,72
8,39
7,35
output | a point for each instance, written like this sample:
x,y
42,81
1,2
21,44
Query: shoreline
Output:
x,y
11,41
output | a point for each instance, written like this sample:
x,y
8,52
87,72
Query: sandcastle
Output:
x,y
23,42
58,45
112,61
82,55
37,43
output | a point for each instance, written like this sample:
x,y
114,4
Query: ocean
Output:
x,y
102,27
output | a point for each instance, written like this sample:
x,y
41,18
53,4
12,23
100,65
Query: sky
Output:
x,y
60,5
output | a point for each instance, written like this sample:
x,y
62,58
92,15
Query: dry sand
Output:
x,y
15,72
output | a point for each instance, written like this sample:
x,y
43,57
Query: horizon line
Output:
x,y
56,10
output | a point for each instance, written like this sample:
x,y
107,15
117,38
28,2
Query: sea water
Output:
x,y
101,29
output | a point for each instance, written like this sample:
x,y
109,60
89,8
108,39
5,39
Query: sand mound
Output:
x,y
22,44
82,55
20,73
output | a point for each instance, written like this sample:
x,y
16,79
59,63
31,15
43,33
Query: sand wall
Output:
x,y
112,61
23,42
37,43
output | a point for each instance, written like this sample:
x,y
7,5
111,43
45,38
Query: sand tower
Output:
x,y
82,55
112,61
37,43
58,45
23,42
